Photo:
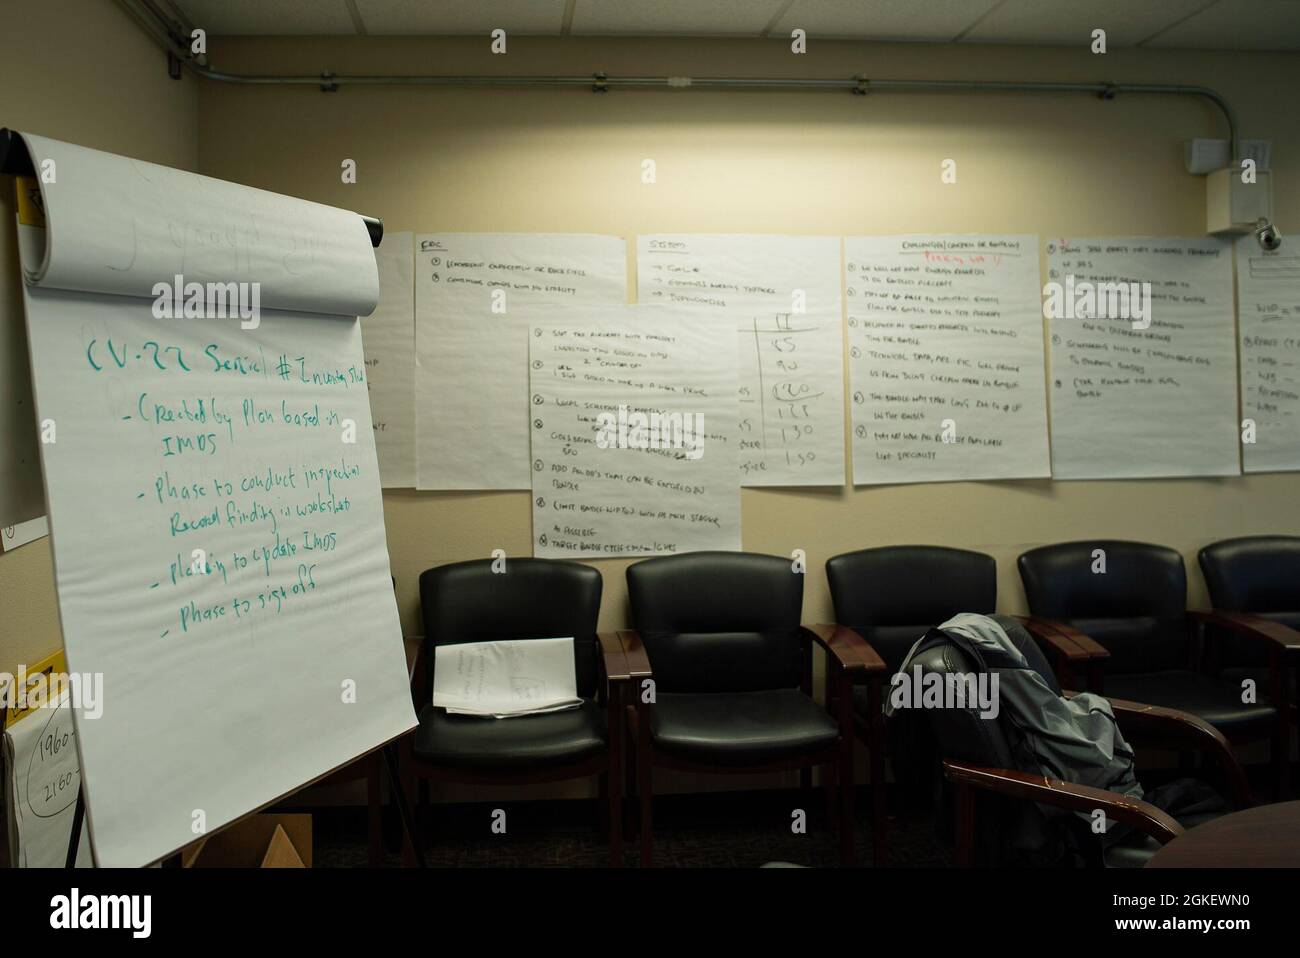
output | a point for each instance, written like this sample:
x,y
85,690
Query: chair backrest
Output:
x,y
719,621
963,734
1136,608
531,599
1255,574
892,594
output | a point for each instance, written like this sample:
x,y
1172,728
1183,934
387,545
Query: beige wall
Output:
x,y
77,70
569,160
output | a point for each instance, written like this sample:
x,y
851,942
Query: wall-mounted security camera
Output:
x,y
1268,235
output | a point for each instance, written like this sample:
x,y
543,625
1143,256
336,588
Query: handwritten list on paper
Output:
x,y
633,422
945,358
1268,300
783,294
1143,365
471,378
389,334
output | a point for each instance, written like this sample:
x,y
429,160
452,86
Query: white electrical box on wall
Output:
x,y
1232,206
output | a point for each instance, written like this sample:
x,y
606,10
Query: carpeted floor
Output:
x,y
733,829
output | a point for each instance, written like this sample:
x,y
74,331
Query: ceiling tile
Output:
x,y
424,17
737,18
1238,25
937,21
263,18
1071,22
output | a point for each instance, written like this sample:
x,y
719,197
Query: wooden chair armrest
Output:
x,y
613,657
638,660
1133,812
1062,639
1170,728
848,649
1265,631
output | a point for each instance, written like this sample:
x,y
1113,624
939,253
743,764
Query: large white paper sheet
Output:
x,y
783,294
21,533
1128,402
1268,300
471,378
43,781
946,358
602,486
389,334
215,515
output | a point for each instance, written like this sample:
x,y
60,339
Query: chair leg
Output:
x,y
830,786
1281,762
615,815
645,783
375,808
963,805
879,790
417,829
848,837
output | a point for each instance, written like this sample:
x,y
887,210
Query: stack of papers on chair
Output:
x,y
505,679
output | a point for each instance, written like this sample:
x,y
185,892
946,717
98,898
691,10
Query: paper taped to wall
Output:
x,y
389,334
633,419
471,377
214,501
946,358
1268,301
1143,371
783,294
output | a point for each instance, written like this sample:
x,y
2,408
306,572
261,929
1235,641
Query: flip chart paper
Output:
x,y
602,486
471,377
1128,402
783,294
508,678
1268,300
43,780
218,541
946,358
390,361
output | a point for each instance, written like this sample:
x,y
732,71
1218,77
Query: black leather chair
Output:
x,y
532,599
1132,620
1254,585
998,811
722,675
891,596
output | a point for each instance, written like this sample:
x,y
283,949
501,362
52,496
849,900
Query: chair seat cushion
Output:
x,y
740,728
1216,701
555,738
1235,675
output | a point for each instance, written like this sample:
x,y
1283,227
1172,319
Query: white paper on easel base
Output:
x,y
783,295
214,500
389,334
11,537
43,777
946,358
635,445
471,376
1268,298
1132,402
505,679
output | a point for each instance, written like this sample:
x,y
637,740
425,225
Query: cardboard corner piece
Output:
x,y
259,841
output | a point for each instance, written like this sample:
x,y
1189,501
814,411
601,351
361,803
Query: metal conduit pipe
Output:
x,y
173,38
